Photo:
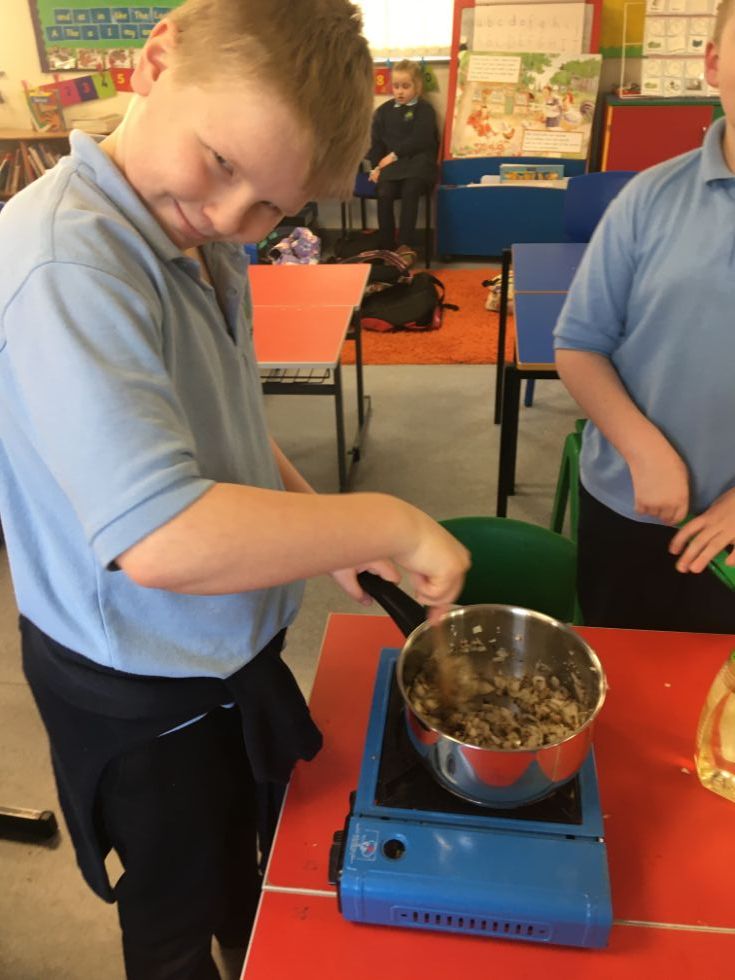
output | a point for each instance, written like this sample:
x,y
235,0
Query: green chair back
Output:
x,y
567,484
519,564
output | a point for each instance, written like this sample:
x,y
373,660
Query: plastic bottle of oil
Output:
x,y
715,755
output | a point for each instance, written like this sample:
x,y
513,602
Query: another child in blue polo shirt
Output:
x,y
645,343
158,539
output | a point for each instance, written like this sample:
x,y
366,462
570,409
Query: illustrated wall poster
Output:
x,y
91,35
524,104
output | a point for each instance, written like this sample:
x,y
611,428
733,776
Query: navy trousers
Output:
x,y
627,578
409,192
181,814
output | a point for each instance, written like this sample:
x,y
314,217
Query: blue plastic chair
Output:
x,y
585,201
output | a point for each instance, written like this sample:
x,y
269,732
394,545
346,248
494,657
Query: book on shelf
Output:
x,y
28,174
6,162
15,180
45,108
531,171
24,163
37,164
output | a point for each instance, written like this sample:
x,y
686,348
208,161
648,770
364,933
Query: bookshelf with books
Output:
x,y
25,155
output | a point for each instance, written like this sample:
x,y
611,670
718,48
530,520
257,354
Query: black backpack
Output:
x,y
396,299
414,305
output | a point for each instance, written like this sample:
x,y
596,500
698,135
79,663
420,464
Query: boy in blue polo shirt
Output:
x,y
157,537
645,344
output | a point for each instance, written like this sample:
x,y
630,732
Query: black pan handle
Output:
x,y
405,612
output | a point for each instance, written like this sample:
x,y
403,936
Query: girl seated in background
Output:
x,y
403,154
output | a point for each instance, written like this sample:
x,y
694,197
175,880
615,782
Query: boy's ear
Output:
x,y
711,63
155,57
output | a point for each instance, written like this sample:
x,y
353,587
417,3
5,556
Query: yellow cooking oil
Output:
x,y
715,753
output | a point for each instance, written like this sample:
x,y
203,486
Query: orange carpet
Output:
x,y
468,335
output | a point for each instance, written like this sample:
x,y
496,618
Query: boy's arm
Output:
x,y
378,149
660,479
292,479
346,578
592,325
238,538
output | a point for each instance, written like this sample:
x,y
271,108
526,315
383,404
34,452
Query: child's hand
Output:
x,y
436,566
374,175
346,579
660,481
706,536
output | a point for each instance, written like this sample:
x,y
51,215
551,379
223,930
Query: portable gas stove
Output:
x,y
412,854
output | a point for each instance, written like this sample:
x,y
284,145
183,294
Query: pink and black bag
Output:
x,y
396,299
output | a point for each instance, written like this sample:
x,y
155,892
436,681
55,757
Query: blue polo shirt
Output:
x,y
125,394
655,292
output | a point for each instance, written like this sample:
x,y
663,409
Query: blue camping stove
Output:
x,y
412,854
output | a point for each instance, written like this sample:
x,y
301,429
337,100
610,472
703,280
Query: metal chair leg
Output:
x,y
427,234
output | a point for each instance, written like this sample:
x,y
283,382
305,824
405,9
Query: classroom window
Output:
x,y
404,28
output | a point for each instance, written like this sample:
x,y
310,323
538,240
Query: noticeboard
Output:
x,y
86,35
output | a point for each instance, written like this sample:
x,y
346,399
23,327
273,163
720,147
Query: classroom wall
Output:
x,y
19,61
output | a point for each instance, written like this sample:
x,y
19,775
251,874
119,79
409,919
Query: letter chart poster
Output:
x,y
91,35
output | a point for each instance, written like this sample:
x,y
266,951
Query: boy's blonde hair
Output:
x,y
310,53
414,70
724,11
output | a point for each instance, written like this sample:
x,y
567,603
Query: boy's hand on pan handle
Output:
x,y
435,561
706,535
436,565
346,579
660,480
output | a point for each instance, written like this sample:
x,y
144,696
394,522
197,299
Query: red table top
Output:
x,y
670,842
304,937
299,336
308,285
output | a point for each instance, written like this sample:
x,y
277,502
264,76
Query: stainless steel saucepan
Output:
x,y
531,644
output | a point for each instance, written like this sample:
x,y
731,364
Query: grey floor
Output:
x,y
431,441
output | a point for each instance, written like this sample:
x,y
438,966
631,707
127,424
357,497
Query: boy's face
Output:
x,y
221,162
719,62
404,89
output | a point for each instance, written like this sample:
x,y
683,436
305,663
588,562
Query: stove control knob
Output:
x,y
394,848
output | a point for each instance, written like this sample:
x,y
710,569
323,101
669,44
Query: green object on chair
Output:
x,y
520,564
567,484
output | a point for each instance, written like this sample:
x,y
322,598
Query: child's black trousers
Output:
x,y
409,191
181,814
627,578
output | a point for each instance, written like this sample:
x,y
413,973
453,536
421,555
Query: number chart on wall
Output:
x,y
86,35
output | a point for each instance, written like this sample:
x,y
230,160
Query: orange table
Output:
x,y
298,350
670,842
298,336
308,285
298,307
